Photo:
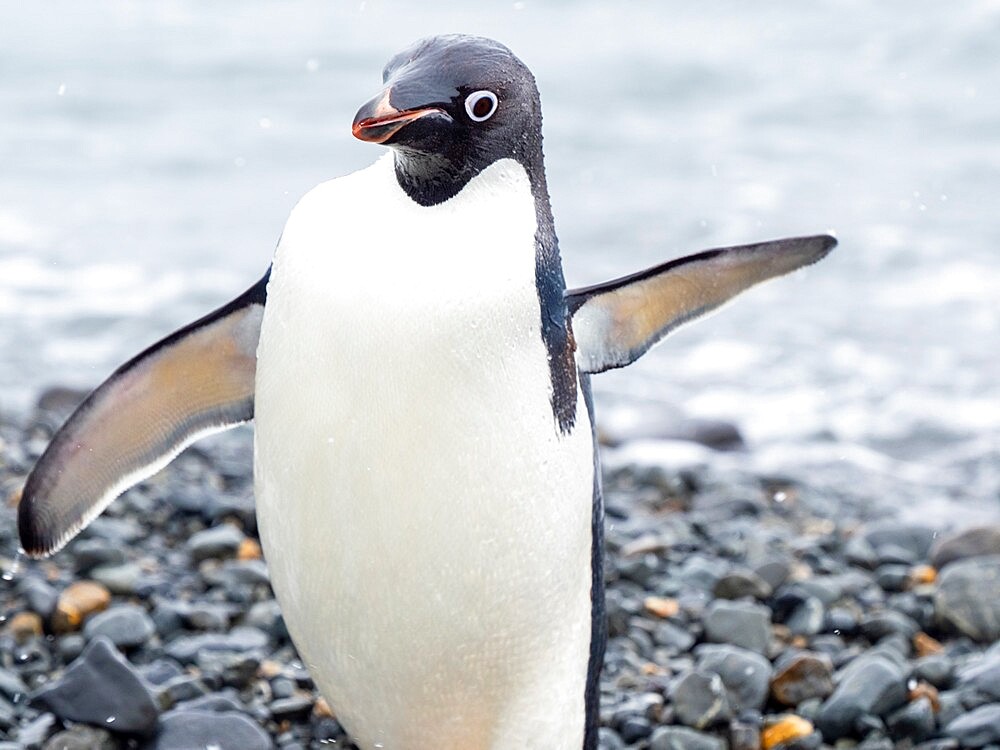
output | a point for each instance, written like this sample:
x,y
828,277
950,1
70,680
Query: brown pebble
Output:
x,y
249,549
922,575
925,690
25,625
649,669
925,645
269,669
643,545
77,602
804,676
787,728
14,498
661,606
322,709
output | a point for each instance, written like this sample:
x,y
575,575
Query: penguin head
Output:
x,y
450,107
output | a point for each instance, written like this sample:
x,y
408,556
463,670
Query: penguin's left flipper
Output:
x,y
194,382
617,322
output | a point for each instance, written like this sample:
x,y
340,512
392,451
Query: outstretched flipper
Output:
x,y
194,382
617,322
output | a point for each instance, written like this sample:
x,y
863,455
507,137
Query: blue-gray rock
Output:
x,y
740,583
121,579
743,624
700,699
225,700
672,637
160,671
70,646
870,685
937,669
35,731
900,542
295,707
878,625
186,730
81,737
12,685
983,676
218,541
608,739
975,542
807,618
39,594
977,728
914,721
266,616
745,674
239,639
682,738
968,597
121,531
103,689
125,625
90,553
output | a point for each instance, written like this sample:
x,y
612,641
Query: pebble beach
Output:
x,y
746,610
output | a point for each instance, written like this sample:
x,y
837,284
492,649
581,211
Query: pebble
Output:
x,y
784,730
742,583
700,699
803,676
125,625
119,579
974,542
221,541
738,623
25,625
968,597
186,730
977,728
745,675
101,688
914,721
81,737
240,639
871,685
682,738
77,602
982,676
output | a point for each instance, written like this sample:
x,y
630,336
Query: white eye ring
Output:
x,y
474,101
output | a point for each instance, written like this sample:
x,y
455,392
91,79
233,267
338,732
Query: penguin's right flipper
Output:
x,y
194,382
617,322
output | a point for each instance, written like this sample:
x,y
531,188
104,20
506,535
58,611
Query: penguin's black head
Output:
x,y
451,106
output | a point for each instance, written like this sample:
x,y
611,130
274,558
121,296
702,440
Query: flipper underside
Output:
x,y
617,322
194,382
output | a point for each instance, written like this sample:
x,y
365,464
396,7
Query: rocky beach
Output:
x,y
746,610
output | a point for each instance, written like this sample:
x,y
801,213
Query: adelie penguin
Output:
x,y
426,473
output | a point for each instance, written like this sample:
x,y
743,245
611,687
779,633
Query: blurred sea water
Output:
x,y
149,154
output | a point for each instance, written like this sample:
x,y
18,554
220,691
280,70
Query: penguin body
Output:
x,y
445,520
426,474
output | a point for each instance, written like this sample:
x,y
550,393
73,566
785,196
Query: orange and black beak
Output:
x,y
378,121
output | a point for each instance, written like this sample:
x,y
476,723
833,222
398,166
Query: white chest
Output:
x,y
423,517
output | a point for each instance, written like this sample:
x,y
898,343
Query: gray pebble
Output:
x,y
219,541
81,737
741,624
608,739
742,583
975,542
675,639
977,728
240,639
103,689
292,708
746,675
870,685
184,730
983,676
40,595
699,699
968,597
119,579
125,625
682,738
914,721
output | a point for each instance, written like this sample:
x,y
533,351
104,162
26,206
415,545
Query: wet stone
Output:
x,y
700,700
240,639
871,685
296,707
682,738
126,625
738,623
742,583
745,674
217,542
974,542
915,721
802,677
968,597
40,596
81,737
184,730
99,686
121,579
982,676
977,728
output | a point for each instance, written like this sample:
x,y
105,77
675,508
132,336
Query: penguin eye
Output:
x,y
481,105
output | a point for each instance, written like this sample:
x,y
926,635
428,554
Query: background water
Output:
x,y
149,154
